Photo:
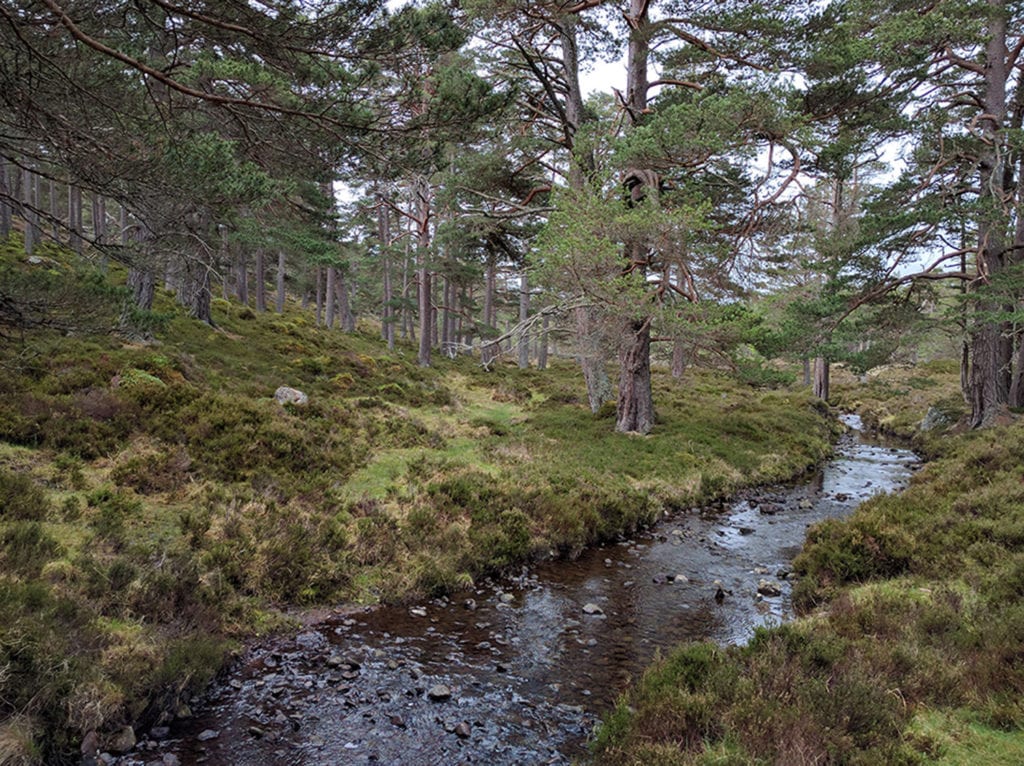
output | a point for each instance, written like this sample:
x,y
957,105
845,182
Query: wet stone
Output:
x,y
207,734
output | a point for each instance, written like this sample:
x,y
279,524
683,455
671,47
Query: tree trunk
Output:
x,y
319,295
51,193
242,276
194,291
5,199
27,210
590,339
75,238
261,281
423,248
988,384
821,378
807,370
387,318
635,411
524,314
542,348
488,350
344,302
331,287
678,359
280,283
142,284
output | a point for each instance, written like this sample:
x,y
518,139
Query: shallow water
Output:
x,y
529,671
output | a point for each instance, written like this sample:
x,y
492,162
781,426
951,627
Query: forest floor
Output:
x,y
911,644
158,506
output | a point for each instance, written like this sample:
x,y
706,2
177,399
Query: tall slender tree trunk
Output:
x,y
821,378
242,276
488,349
319,295
542,347
75,238
261,281
332,278
280,283
423,252
988,384
51,193
678,359
590,342
524,314
6,195
28,212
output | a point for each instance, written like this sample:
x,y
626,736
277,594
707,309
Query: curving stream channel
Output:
x,y
519,672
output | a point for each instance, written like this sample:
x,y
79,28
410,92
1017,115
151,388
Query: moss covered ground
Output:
x,y
911,645
158,507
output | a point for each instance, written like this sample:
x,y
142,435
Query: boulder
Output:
x,y
287,395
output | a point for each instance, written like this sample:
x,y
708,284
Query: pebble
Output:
x,y
592,608
463,730
207,734
418,611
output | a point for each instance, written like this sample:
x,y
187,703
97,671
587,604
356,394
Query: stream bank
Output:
x,y
519,672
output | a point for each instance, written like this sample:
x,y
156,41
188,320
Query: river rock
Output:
x,y
207,734
418,611
121,741
463,730
933,419
506,598
592,608
681,579
769,588
90,744
170,759
288,395
439,693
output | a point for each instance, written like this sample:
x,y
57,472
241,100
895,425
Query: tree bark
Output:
x,y
5,197
423,248
27,211
590,339
989,382
331,287
678,359
488,350
142,284
261,281
542,347
524,314
319,295
821,378
635,411
280,283
75,239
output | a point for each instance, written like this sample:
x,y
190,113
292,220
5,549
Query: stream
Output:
x,y
519,672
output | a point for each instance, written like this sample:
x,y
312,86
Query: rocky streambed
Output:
x,y
518,672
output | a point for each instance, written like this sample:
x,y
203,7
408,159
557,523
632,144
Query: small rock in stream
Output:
x,y
439,693
463,730
593,609
207,734
769,588
418,611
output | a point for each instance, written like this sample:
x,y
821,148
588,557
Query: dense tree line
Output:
x,y
766,178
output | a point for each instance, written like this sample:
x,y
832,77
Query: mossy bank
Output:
x,y
158,506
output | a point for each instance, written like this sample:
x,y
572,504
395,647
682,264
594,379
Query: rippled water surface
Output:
x,y
519,673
